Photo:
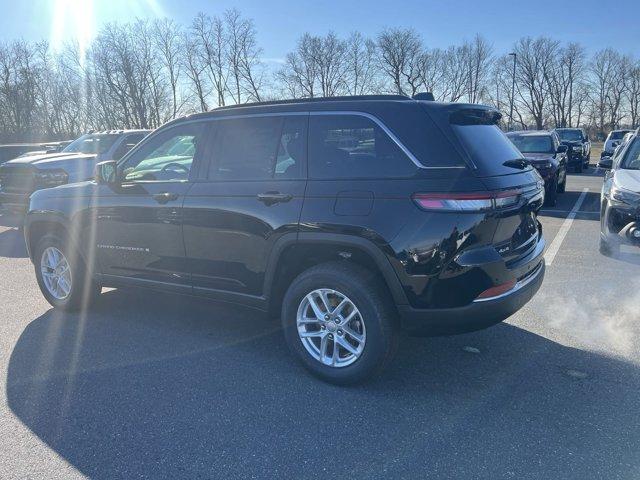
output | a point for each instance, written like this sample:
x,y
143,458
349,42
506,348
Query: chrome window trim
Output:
x,y
369,116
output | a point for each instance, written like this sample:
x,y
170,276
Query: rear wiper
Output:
x,y
519,163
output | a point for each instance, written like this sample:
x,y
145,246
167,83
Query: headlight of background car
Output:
x,y
620,195
51,178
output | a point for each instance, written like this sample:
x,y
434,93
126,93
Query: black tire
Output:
x,y
562,187
579,167
378,314
84,290
609,249
551,197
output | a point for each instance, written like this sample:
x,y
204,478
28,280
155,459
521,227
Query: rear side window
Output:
x,y
489,148
259,148
353,146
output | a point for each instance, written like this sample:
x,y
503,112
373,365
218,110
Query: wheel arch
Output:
x,y
293,254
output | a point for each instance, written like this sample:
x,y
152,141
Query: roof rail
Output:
x,y
315,100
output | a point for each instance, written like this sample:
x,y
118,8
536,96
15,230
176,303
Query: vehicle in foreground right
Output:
x,y
620,201
350,218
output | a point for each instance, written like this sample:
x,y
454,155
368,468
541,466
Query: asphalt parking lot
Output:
x,y
155,386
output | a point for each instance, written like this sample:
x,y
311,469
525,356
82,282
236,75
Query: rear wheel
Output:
x,y
339,321
62,275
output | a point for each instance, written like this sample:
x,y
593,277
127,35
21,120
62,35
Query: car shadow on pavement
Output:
x,y
12,244
171,387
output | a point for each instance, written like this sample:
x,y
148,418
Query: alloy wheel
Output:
x,y
331,327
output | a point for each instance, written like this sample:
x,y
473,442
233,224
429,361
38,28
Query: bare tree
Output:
x,y
633,93
360,60
400,53
169,41
535,59
478,58
608,71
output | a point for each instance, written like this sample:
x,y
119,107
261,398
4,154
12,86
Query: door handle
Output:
x,y
271,198
165,197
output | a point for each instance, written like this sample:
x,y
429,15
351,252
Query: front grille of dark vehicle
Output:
x,y
17,179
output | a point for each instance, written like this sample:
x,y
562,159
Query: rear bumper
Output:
x,y
527,272
475,316
14,202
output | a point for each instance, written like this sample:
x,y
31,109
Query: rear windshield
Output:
x,y
532,143
570,135
488,148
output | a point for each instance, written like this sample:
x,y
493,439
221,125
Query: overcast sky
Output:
x,y
595,24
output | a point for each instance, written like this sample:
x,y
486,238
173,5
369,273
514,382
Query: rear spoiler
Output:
x,y
475,116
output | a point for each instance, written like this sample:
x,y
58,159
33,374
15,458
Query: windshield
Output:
x,y
92,143
617,135
570,135
632,158
532,143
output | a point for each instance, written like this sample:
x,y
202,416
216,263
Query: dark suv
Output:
x,y
543,150
352,218
579,145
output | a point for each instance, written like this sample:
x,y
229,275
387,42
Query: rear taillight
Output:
x,y
467,202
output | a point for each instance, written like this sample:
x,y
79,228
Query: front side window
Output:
x,y
128,142
167,156
353,146
259,148
632,156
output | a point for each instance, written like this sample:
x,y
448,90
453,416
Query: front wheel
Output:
x,y
62,275
339,321
579,167
609,249
551,197
562,187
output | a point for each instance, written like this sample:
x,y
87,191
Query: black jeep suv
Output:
x,y
353,218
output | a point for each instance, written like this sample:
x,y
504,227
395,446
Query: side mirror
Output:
x,y
563,149
106,173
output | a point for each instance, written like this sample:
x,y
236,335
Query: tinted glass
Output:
x,y
94,143
352,146
292,148
127,144
570,135
167,156
632,157
246,148
489,148
533,144
618,135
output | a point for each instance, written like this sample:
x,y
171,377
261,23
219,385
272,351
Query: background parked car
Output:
x,y
607,162
620,200
613,140
577,140
543,150
20,177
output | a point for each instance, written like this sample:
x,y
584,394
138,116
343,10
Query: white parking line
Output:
x,y
552,251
